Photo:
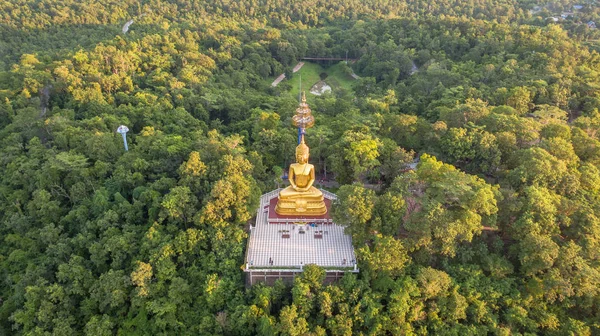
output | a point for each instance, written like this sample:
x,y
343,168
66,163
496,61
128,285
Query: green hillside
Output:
x,y
468,191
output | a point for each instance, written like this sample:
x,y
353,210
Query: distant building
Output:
x,y
535,9
591,25
553,18
577,7
565,15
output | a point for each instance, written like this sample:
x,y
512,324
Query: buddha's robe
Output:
x,y
301,197
302,175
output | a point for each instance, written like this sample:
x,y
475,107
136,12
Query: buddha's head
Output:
x,y
302,152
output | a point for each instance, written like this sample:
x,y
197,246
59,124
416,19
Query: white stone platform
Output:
x,y
268,250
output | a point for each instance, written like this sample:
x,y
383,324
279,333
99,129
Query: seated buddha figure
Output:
x,y
301,198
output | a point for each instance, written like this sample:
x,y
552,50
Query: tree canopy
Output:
x,y
462,140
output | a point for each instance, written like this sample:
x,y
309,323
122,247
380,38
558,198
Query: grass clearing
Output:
x,y
310,72
341,79
310,75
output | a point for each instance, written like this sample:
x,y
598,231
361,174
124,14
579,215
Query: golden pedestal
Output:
x,y
310,205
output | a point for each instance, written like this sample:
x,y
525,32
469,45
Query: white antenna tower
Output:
x,y
123,130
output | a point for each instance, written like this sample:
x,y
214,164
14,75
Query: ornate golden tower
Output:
x,y
303,118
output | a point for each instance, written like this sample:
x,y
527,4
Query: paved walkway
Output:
x,y
277,80
297,67
282,76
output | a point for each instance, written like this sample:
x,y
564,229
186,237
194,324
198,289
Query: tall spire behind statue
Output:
x,y
303,118
300,130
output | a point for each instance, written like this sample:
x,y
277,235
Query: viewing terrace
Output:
x,y
279,247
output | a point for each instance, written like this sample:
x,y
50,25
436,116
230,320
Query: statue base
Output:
x,y
301,206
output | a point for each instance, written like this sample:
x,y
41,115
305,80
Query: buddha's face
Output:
x,y
302,157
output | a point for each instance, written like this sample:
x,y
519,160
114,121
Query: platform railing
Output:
x,y
329,194
299,268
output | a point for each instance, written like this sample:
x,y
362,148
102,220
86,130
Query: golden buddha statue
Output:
x,y
301,198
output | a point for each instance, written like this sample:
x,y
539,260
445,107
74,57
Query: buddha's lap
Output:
x,y
290,192
302,182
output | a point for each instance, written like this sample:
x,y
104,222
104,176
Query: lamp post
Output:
x,y
300,128
123,130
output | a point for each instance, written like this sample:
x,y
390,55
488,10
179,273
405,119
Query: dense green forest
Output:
x,y
496,231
